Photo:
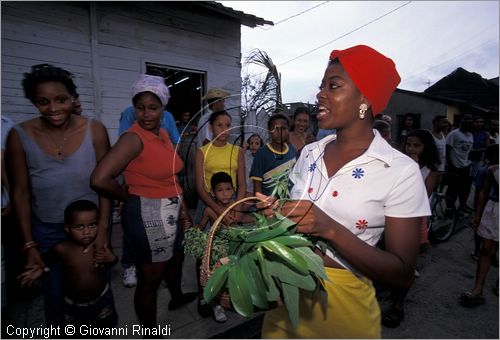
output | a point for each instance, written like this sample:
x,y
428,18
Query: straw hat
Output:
x,y
215,93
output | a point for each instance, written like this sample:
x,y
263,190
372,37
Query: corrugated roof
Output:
x,y
249,20
470,87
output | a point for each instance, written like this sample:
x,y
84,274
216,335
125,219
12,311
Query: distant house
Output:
x,y
196,45
457,93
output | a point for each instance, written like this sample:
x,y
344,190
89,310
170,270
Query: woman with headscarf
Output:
x,y
347,189
152,196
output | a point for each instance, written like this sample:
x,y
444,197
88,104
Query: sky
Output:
x,y
426,39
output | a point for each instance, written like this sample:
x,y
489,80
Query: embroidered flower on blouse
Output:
x,y
171,220
362,224
335,193
312,167
310,190
358,173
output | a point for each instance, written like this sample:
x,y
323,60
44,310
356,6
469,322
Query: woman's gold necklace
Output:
x,y
59,147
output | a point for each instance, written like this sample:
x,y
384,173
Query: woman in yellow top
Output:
x,y
217,156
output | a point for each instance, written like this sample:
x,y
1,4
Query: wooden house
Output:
x,y
455,94
194,44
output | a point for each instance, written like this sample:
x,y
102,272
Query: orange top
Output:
x,y
153,174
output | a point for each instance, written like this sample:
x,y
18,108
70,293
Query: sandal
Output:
x,y
392,317
475,256
204,308
469,299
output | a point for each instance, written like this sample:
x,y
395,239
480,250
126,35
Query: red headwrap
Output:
x,y
374,74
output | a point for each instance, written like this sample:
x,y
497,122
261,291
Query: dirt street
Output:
x,y
432,306
432,309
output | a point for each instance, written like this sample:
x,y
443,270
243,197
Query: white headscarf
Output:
x,y
154,84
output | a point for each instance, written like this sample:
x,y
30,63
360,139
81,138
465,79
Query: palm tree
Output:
x,y
261,94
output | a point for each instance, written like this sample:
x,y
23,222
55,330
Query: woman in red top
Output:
x,y
152,196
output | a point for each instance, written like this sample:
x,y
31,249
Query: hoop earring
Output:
x,y
362,110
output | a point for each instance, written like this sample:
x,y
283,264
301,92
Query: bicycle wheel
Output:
x,y
442,222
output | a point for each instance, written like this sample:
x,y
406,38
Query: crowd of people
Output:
x,y
451,159
62,178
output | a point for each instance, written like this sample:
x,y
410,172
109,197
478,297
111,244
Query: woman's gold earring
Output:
x,y
362,110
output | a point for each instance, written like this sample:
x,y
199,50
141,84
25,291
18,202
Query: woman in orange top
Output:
x,y
153,196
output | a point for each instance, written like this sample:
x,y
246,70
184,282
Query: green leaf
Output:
x,y
287,254
323,294
285,274
273,226
313,260
255,282
293,241
215,283
267,234
234,247
282,220
322,246
247,247
260,219
291,296
263,267
272,292
239,290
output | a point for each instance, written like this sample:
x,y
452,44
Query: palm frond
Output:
x,y
262,93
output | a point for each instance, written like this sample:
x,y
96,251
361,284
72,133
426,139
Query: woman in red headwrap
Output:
x,y
347,189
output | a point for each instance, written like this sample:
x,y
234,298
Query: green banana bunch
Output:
x,y
268,264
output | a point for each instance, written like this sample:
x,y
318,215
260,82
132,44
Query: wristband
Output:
x,y
30,244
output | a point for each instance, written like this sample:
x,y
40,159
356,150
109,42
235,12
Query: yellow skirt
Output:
x,y
353,312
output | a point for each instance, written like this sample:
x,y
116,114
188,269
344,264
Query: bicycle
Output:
x,y
443,220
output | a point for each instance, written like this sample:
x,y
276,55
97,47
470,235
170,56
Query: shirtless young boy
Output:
x,y
88,299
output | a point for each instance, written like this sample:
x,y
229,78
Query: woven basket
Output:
x,y
205,271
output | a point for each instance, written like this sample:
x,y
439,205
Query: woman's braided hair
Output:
x,y
42,73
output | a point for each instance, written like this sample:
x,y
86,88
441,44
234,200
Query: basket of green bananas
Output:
x,y
267,264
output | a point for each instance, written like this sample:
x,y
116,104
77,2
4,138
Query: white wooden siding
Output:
x,y
43,32
128,34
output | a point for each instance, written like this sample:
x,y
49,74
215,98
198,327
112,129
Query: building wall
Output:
x,y
30,36
402,103
107,44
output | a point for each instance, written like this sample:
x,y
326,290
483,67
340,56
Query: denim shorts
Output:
x,y
100,312
46,235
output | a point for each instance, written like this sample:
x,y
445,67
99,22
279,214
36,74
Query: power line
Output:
x,y
458,46
346,34
293,16
414,75
475,47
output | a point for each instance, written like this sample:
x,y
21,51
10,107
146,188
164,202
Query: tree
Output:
x,y
258,93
